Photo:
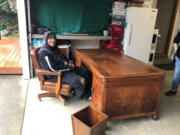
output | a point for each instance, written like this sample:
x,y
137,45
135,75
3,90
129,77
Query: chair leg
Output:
x,y
46,95
61,99
52,95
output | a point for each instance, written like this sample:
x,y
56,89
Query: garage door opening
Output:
x,y
10,55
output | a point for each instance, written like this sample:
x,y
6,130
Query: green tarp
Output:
x,y
72,16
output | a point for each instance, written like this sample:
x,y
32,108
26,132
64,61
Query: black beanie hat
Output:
x,y
51,35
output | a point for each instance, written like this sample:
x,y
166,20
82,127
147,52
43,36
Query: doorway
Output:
x,y
10,56
167,10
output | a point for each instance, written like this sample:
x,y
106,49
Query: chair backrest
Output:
x,y
65,51
34,56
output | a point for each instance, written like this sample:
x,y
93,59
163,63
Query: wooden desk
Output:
x,y
122,87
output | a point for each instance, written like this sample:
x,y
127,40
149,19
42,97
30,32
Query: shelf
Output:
x,y
77,37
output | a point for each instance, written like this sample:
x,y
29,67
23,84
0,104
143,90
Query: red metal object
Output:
x,y
117,37
117,28
113,47
115,42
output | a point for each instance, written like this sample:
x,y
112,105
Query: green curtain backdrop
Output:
x,y
72,16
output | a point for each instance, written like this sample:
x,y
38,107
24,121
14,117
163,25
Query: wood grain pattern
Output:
x,y
10,70
10,56
133,95
89,122
123,66
122,87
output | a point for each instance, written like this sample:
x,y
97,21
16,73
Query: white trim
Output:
x,y
23,38
47,60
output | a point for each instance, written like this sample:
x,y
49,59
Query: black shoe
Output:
x,y
73,94
170,92
87,95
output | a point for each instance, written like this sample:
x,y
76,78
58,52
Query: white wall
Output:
x,y
150,3
23,39
85,44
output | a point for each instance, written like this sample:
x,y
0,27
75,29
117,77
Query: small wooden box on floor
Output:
x,y
122,87
89,122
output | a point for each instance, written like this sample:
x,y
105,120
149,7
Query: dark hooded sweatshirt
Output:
x,y
177,40
52,59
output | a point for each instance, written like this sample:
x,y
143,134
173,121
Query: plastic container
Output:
x,y
35,44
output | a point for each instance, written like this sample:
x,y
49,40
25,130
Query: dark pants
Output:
x,y
84,72
73,78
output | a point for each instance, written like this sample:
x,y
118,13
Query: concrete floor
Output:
x,y
50,117
12,103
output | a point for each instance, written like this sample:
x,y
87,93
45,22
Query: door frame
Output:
x,y
170,32
23,32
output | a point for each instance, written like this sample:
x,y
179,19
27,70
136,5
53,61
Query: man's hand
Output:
x,y
65,63
175,47
71,65
71,61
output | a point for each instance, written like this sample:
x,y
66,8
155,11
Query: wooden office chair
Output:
x,y
53,89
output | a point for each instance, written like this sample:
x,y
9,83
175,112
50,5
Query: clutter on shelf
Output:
x,y
37,42
136,3
39,30
117,25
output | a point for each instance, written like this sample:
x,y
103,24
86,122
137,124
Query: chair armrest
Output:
x,y
46,72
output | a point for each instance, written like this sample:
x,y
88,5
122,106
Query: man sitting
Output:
x,y
52,59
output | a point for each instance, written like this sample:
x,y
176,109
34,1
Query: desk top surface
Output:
x,y
111,64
